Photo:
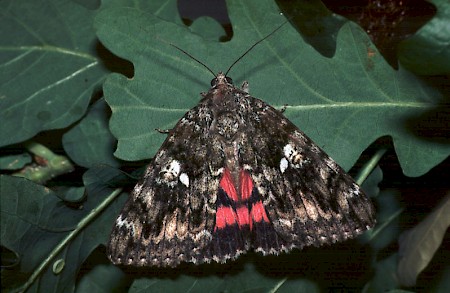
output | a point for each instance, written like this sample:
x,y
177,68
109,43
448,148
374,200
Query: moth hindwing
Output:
x,y
234,174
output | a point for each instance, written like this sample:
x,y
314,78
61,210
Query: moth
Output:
x,y
234,174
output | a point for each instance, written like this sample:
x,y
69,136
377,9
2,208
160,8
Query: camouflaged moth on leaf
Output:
x,y
233,175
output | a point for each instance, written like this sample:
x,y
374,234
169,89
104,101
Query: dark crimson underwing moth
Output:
x,y
233,175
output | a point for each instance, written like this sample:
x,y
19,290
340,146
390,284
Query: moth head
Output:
x,y
221,79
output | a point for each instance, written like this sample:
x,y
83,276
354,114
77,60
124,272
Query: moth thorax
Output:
x,y
227,125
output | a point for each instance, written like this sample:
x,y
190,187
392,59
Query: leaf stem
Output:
x,y
370,166
81,225
371,234
278,285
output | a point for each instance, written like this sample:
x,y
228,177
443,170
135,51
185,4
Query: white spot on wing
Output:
x,y
174,168
120,222
288,150
217,173
283,165
293,156
184,178
247,167
170,173
138,188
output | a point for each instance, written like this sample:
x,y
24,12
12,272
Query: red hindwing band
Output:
x,y
246,184
226,183
227,216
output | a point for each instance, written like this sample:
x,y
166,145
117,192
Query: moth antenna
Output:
x,y
198,61
254,45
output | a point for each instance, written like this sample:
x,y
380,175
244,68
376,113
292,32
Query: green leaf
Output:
x,y
34,222
14,162
370,185
385,278
102,278
418,245
165,9
72,194
387,229
208,28
428,51
443,285
343,103
247,280
318,25
49,66
90,143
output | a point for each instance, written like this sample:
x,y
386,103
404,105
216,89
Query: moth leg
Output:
x,y
283,108
244,86
163,131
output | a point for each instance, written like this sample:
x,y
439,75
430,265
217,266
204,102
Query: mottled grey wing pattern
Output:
x,y
279,191
169,217
309,198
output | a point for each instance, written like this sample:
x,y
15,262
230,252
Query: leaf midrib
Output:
x,y
364,105
303,107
